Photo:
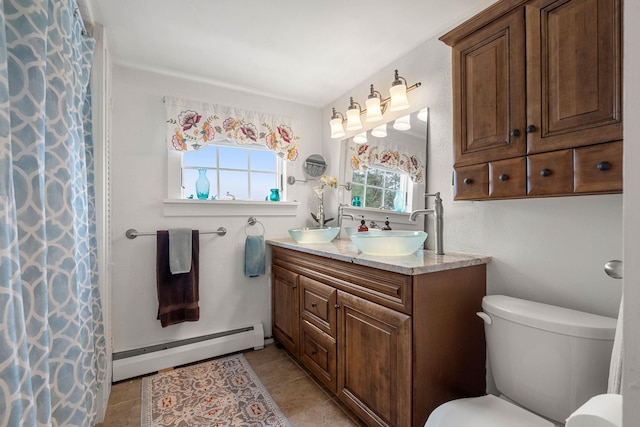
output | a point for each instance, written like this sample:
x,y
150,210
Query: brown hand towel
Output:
x,y
177,293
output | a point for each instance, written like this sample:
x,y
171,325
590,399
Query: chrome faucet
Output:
x,y
341,214
319,217
438,219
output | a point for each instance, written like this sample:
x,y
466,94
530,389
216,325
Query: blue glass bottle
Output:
x,y
275,195
398,202
202,184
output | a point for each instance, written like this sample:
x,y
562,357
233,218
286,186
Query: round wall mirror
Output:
x,y
315,165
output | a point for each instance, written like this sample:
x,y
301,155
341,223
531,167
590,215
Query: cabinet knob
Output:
x,y
337,306
545,172
503,177
515,132
314,305
604,166
531,128
313,352
467,181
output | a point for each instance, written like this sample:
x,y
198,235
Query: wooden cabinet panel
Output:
x,y
508,178
318,353
488,69
573,73
374,366
550,173
471,182
285,312
317,304
598,168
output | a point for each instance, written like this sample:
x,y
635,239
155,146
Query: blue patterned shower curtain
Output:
x,y
51,339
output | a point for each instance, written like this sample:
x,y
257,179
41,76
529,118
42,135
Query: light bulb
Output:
x,y
360,138
379,131
337,130
399,99
374,114
353,119
423,114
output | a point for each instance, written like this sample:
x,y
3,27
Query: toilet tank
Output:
x,y
547,359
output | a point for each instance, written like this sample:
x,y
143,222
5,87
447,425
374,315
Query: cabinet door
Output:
x,y
285,312
374,361
488,92
573,73
471,182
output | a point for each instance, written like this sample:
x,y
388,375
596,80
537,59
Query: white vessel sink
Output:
x,y
314,234
388,243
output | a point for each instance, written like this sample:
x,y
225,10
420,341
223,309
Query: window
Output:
x,y
378,188
247,173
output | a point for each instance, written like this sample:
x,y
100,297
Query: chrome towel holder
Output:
x,y
132,233
251,222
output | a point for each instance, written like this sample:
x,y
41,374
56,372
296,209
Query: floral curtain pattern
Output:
x,y
52,351
363,156
192,125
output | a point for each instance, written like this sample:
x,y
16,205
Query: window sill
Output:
x,y
181,207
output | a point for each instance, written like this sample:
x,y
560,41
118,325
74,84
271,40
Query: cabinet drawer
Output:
x,y
508,178
550,173
317,304
598,168
318,353
471,182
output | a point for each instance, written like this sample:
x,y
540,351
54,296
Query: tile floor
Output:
x,y
302,400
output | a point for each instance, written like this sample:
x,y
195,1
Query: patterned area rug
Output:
x,y
222,392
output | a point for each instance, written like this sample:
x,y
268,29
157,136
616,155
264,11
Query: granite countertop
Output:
x,y
420,262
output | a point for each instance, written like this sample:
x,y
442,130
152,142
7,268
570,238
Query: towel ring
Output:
x,y
253,221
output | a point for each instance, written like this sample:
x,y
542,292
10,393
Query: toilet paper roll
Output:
x,y
604,410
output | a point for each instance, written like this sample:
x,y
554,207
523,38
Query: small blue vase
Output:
x,y
275,195
398,202
202,185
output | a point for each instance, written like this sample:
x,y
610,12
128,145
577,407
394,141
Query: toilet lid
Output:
x,y
485,411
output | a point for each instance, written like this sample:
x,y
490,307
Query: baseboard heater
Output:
x,y
133,363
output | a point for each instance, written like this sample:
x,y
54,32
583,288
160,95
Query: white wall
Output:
x,y
549,250
139,157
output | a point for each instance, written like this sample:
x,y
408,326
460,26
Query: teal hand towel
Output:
x,y
180,250
254,256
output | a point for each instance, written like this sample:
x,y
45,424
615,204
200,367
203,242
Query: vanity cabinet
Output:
x,y
532,77
390,346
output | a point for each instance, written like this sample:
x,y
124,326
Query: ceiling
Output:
x,y
305,51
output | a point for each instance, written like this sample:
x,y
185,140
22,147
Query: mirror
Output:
x,y
387,153
315,165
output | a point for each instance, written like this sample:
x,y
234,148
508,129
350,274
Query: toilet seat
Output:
x,y
484,411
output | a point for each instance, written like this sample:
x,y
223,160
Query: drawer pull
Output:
x,y
337,306
313,352
503,177
515,133
545,172
604,166
467,181
531,128
314,305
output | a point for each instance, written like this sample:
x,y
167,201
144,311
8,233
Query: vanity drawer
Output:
x,y
471,182
318,353
318,304
550,174
598,168
508,178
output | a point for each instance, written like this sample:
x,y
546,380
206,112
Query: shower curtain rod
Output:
x,y
132,233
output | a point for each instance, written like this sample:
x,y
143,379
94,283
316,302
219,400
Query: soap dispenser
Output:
x,y
386,225
363,225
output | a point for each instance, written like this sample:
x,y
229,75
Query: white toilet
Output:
x,y
546,361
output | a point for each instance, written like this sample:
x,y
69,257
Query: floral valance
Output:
x,y
192,125
363,156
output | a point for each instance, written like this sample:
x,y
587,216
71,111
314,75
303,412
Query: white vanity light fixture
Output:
x,y
353,116
375,107
398,92
337,129
379,131
360,138
374,112
403,123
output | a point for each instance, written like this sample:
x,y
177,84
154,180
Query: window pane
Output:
x,y
358,177
263,160
261,185
375,177
234,158
389,195
189,177
237,183
374,198
204,157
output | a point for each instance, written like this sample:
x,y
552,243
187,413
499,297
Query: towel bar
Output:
x,y
132,233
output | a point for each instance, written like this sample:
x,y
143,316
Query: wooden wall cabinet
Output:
x,y
531,77
392,347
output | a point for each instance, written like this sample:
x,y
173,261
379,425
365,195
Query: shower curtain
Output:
x,y
52,349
